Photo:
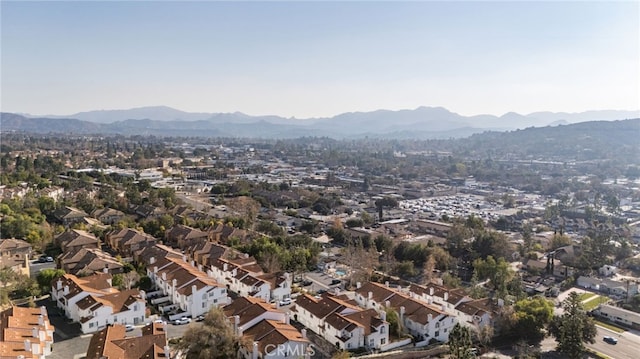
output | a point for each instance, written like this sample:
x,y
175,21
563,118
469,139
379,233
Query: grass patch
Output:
x,y
585,296
594,303
609,326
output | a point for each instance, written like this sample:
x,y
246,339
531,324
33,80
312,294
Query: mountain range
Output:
x,y
422,122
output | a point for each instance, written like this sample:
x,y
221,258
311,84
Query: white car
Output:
x,y
129,327
286,301
183,320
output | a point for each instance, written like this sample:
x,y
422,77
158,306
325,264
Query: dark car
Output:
x,y
306,282
335,281
320,291
610,340
45,259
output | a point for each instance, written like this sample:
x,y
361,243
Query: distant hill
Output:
x,y
423,122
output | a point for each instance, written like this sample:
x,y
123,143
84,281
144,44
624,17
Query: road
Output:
x,y
628,346
35,267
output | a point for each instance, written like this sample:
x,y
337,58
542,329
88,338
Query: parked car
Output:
x,y
199,318
45,259
183,320
129,327
306,283
320,291
610,340
335,281
286,301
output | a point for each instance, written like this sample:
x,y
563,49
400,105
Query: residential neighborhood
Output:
x,y
304,258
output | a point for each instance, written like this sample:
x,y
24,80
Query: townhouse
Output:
x,y
245,277
74,239
266,330
94,303
112,343
25,333
89,261
186,286
181,236
127,241
424,320
69,215
342,322
108,215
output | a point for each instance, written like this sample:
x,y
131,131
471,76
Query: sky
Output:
x,y
318,59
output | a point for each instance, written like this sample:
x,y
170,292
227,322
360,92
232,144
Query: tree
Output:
x,y
46,276
460,342
533,315
395,325
573,328
214,339
388,202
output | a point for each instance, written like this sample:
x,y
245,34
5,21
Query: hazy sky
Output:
x,y
311,59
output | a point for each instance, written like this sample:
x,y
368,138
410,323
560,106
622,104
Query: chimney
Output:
x,y
194,289
184,257
43,311
430,300
105,270
225,267
287,318
143,295
167,351
200,267
42,335
34,332
193,263
383,315
429,317
164,276
35,350
402,314
387,304
431,291
41,320
444,307
236,324
386,284
446,296
304,333
27,345
66,289
152,260
174,283
255,353
59,284
370,295
358,285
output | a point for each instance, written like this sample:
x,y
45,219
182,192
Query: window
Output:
x,y
91,325
438,325
203,305
383,340
348,345
215,301
204,296
437,334
382,329
211,294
